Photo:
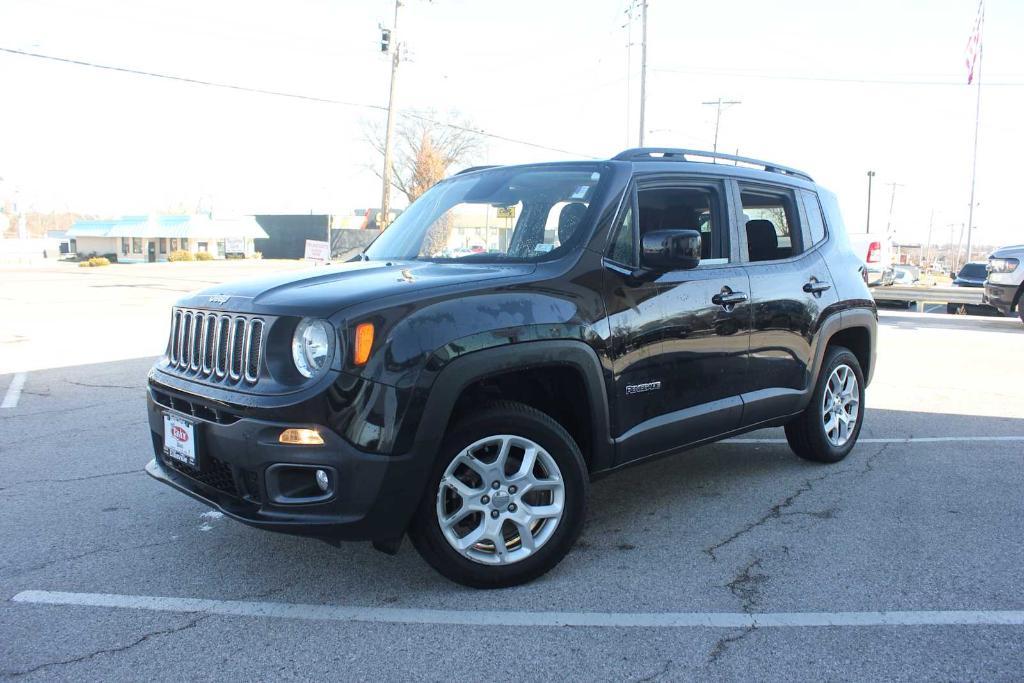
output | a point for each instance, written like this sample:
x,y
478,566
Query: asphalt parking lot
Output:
x,y
736,560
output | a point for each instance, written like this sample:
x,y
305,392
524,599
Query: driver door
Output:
x,y
679,338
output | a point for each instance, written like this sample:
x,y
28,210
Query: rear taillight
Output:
x,y
874,252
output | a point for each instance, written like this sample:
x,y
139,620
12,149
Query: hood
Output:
x,y
1008,252
326,290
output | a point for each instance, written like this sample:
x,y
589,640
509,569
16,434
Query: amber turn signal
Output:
x,y
301,437
364,340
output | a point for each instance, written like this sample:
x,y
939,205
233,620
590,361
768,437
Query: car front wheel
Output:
x,y
505,501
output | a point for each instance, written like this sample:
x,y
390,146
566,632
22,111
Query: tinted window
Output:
x,y
773,231
974,271
686,208
815,221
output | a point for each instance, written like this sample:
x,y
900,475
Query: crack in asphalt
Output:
x,y
110,650
68,480
95,551
105,386
657,674
780,509
774,512
746,584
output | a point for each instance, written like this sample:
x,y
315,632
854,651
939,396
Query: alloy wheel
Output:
x,y
840,405
500,499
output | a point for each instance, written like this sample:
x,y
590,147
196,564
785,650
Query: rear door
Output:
x,y
791,292
679,338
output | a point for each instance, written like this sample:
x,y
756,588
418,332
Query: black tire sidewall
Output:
x,y
520,420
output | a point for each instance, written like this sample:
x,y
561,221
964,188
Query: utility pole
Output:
x,y
977,120
643,67
718,115
389,42
928,244
892,201
871,175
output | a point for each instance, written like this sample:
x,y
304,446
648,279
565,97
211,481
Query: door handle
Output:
x,y
728,299
815,287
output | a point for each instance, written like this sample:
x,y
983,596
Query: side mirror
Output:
x,y
670,249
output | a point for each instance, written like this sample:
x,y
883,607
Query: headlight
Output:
x,y
1002,265
312,346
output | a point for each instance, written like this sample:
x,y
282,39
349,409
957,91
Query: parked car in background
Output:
x,y
973,274
906,275
1004,286
876,253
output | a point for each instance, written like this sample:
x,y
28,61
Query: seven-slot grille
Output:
x,y
218,347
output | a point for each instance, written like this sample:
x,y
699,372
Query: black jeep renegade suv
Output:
x,y
518,331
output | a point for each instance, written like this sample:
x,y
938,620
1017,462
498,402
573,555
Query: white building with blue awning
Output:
x,y
154,238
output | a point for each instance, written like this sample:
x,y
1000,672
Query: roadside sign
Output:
x,y
506,212
318,251
234,245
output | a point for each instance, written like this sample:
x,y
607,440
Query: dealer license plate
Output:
x,y
180,439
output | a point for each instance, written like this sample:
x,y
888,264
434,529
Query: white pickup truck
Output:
x,y
1004,288
876,252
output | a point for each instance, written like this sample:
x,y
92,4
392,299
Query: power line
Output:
x,y
824,79
289,95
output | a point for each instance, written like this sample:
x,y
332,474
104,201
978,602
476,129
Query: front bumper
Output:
x,y
372,496
999,297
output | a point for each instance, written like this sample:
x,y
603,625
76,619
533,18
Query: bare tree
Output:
x,y
425,148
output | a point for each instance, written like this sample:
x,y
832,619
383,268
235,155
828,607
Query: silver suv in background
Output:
x,y
1005,282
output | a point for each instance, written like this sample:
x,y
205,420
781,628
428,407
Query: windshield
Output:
x,y
504,214
975,271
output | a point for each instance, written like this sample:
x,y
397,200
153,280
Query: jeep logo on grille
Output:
x,y
219,299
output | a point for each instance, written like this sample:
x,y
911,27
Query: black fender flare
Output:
x,y
864,318
459,373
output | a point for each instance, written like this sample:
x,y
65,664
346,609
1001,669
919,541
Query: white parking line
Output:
x,y
13,394
909,439
395,615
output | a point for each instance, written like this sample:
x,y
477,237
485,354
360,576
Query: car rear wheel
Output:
x,y
828,428
505,501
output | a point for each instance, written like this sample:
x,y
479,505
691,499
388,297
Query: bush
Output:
x,y
256,255
84,264
204,256
180,255
97,261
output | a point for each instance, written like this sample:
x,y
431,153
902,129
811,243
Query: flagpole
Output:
x,y
974,160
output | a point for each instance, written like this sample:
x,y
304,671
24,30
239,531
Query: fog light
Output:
x,y
302,437
322,480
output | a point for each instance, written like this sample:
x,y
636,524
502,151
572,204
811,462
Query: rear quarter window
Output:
x,y
815,219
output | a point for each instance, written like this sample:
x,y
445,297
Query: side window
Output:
x,y
770,217
815,221
623,248
687,208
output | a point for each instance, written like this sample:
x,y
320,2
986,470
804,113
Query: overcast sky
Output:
x,y
834,88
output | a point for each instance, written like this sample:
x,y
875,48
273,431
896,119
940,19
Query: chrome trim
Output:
x,y
197,321
206,345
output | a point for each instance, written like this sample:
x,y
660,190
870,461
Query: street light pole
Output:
x,y
385,200
892,201
871,175
643,67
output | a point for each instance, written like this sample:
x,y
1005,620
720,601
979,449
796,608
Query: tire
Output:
x,y
559,480
807,434
1020,309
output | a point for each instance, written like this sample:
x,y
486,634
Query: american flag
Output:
x,y
974,42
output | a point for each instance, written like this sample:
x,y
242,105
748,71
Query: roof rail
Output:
x,y
476,168
674,154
